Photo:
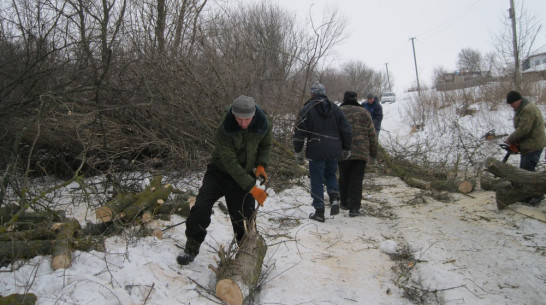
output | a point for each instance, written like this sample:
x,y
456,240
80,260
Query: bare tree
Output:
x,y
470,60
527,29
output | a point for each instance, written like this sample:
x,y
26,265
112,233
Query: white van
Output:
x,y
388,97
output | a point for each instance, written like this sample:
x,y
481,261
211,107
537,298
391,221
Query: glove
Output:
x,y
259,194
261,174
346,154
299,157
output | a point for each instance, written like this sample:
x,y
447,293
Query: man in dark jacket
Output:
x,y
241,154
328,134
364,147
375,109
528,134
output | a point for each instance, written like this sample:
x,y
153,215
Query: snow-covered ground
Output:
x,y
408,248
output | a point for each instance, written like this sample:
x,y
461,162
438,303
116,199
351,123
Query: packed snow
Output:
x,y
407,248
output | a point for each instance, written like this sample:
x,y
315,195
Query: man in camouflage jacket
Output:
x,y
364,147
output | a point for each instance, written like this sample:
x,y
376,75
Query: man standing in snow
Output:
x,y
328,136
241,154
375,109
364,146
529,133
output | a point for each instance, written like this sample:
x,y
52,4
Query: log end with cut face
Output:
x,y
61,261
229,292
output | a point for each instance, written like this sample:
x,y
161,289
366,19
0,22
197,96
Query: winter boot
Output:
x,y
354,213
318,215
334,200
190,252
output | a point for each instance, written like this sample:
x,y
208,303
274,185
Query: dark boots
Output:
x,y
318,215
190,252
334,201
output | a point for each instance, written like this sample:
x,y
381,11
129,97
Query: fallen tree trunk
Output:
x,y
522,184
237,278
516,175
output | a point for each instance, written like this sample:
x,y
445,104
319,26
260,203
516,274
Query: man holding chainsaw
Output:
x,y
241,154
529,133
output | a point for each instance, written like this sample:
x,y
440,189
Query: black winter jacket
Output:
x,y
325,128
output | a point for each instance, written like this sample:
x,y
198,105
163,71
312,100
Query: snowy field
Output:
x,y
407,248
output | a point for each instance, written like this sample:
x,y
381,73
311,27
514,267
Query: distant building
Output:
x,y
534,66
462,79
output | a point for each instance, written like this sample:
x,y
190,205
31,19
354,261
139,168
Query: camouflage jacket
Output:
x,y
238,151
364,136
529,125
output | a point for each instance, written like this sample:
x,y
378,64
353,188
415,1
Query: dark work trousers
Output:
x,y
351,174
240,204
530,160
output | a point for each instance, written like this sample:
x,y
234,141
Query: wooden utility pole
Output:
x,y
517,75
415,61
388,78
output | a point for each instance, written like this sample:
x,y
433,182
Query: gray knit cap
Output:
x,y
318,88
243,107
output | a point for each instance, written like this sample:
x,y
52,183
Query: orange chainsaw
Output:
x,y
510,150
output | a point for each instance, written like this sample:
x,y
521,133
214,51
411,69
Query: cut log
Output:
x,y
14,250
146,200
108,211
426,185
466,186
62,247
40,233
19,299
237,278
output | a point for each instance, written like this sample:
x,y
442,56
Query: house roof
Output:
x,y
539,51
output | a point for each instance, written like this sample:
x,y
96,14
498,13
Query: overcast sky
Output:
x,y
380,31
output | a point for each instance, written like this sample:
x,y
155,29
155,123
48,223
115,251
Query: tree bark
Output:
x,y
237,278
19,299
536,180
426,185
113,208
40,233
522,184
146,200
61,250
21,249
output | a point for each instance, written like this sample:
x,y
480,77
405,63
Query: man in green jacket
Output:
x,y
241,154
528,134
